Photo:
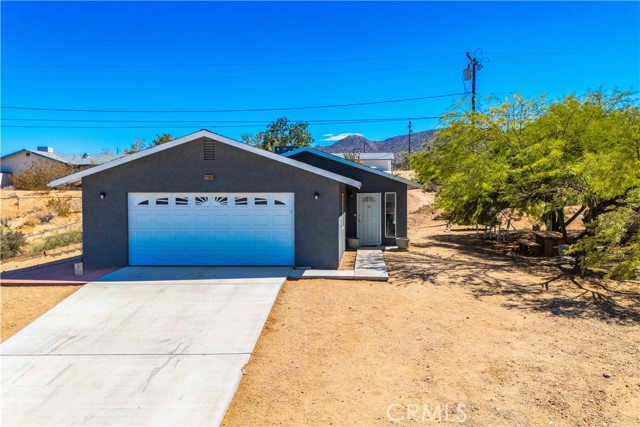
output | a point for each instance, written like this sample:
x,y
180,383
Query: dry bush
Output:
x,y
46,218
39,175
61,206
30,222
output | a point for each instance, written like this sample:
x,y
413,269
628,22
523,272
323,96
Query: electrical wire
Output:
x,y
234,76
205,124
311,62
264,122
239,110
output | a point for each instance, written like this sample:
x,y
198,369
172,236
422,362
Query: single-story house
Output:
x,y
205,199
25,159
380,161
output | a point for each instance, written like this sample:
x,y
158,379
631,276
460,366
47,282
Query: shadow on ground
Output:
x,y
490,268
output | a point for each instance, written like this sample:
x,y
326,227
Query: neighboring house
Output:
x,y
23,160
205,199
379,161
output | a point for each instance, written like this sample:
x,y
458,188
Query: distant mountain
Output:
x,y
396,145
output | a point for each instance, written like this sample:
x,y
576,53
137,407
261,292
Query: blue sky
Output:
x,y
214,55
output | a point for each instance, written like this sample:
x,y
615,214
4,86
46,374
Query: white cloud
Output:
x,y
332,137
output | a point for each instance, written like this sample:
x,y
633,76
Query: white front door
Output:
x,y
369,219
211,229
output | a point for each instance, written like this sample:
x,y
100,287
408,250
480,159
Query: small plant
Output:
x,y
61,206
58,241
12,243
46,218
30,222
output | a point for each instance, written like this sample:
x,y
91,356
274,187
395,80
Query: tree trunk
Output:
x,y
582,208
562,225
554,221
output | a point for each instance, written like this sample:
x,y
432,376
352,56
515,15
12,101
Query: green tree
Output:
x,y
161,138
281,132
524,156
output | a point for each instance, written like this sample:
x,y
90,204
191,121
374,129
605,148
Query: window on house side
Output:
x,y
390,214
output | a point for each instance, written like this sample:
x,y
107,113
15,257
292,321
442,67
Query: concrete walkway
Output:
x,y
141,346
370,265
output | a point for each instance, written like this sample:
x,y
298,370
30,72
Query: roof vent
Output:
x,y
46,149
85,155
209,148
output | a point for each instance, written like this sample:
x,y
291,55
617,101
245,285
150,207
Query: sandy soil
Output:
x,y
22,305
348,261
463,324
21,210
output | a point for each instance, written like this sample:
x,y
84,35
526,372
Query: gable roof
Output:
x,y
77,177
352,164
368,156
71,159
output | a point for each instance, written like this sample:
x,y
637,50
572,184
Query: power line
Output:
x,y
242,64
234,76
246,110
311,62
223,125
359,120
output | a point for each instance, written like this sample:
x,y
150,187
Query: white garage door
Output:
x,y
211,229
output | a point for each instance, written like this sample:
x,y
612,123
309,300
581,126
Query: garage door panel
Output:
x,y
211,229
182,220
163,219
281,219
221,219
261,220
241,219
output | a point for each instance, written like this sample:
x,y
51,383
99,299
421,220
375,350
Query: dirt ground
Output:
x,y
465,333
22,210
22,305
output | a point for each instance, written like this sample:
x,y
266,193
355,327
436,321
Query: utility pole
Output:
x,y
470,74
409,137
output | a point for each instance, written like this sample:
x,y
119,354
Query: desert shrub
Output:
x,y
30,222
58,241
46,218
39,175
12,243
61,206
4,221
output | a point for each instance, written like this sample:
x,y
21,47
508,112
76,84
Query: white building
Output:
x,y
380,161
24,159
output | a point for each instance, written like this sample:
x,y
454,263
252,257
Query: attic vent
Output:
x,y
209,150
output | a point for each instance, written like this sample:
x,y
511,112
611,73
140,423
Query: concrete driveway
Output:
x,y
141,346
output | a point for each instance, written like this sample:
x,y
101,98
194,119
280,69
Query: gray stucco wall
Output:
x,y
371,183
182,168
